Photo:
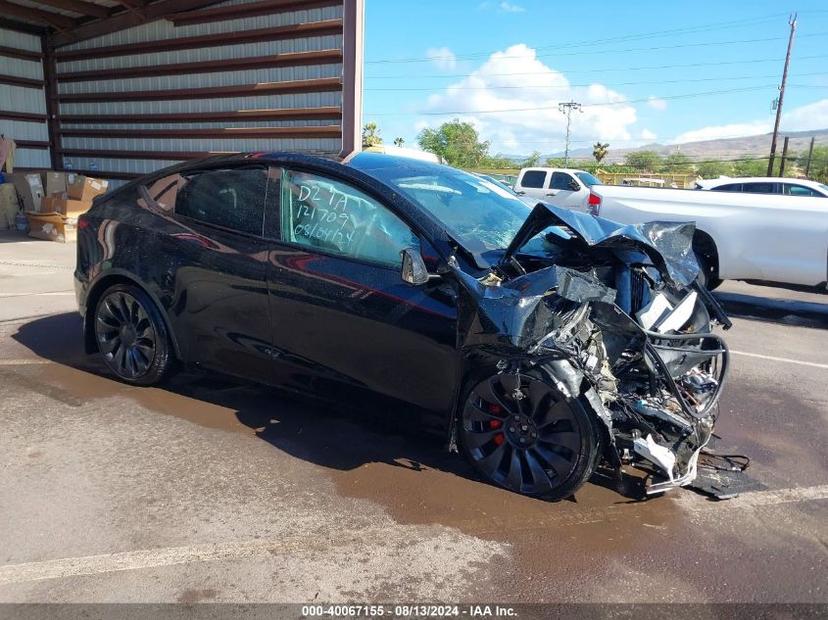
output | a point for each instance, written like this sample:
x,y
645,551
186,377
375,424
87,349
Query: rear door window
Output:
x,y
336,218
560,180
759,188
533,179
231,198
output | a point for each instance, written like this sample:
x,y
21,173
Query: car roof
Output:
x,y
729,180
547,169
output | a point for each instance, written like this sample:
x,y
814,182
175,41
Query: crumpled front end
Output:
x,y
615,315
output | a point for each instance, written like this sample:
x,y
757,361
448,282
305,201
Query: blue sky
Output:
x,y
645,71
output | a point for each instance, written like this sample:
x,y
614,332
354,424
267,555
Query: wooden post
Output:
x,y
792,23
810,156
784,157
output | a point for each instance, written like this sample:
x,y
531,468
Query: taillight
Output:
x,y
594,202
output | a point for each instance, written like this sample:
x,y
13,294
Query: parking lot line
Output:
x,y
153,558
780,359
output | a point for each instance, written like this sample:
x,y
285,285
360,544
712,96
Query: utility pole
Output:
x,y
810,155
784,157
792,24
566,108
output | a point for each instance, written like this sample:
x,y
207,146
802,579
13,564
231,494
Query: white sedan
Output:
x,y
766,185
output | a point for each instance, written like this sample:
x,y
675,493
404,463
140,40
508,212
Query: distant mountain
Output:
x,y
725,148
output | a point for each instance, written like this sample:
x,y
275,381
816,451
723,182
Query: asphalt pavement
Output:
x,y
209,490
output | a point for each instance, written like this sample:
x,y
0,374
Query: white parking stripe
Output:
x,y
154,558
780,359
25,362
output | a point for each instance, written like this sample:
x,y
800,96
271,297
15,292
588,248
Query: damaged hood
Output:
x,y
669,245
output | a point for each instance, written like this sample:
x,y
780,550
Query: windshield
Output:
x,y
587,179
481,214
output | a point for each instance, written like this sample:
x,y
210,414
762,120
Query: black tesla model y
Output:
x,y
550,342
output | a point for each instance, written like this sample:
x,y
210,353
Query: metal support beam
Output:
x,y
253,9
134,17
322,131
79,6
52,107
278,33
297,59
353,14
244,90
36,15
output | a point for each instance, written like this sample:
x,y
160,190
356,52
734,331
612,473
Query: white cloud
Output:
x,y
442,58
803,118
647,135
503,7
508,7
525,116
656,104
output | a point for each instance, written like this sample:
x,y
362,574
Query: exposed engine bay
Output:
x,y
617,314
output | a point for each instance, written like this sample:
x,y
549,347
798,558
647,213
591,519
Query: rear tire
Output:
x,y
131,335
542,445
707,271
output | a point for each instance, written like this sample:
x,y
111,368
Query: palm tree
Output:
x,y
599,151
399,141
371,135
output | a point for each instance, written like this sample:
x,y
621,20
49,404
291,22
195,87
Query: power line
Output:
x,y
590,105
603,41
642,49
587,84
622,69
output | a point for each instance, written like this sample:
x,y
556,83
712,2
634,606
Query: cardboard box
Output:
x,y
55,183
9,205
29,189
86,188
51,227
65,206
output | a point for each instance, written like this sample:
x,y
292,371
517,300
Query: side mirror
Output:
x,y
574,185
413,267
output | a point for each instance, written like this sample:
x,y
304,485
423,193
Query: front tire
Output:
x,y
131,335
521,433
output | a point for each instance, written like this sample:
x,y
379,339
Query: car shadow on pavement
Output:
x,y
339,436
788,312
342,435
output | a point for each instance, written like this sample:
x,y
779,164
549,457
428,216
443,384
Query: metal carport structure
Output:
x,y
118,88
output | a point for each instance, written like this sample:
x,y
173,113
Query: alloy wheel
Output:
x,y
125,335
521,433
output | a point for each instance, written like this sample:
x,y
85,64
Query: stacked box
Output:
x,y
69,195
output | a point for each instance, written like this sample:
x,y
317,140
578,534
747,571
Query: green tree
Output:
x,y
456,142
371,135
676,163
714,169
531,161
644,161
555,162
399,141
819,163
750,167
599,151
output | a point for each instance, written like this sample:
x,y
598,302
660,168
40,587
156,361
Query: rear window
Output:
x,y
730,187
759,188
231,199
533,178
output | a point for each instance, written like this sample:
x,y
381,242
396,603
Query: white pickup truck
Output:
x,y
755,237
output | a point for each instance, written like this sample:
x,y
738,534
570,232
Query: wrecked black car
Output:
x,y
550,342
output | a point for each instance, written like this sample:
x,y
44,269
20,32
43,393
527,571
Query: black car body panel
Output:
x,y
563,296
